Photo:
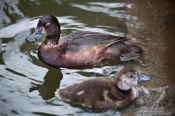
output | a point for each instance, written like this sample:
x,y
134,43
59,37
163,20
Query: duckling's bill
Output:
x,y
35,36
143,78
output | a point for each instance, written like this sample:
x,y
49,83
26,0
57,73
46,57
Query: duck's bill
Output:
x,y
35,36
143,78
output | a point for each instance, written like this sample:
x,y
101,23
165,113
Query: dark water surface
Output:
x,y
28,86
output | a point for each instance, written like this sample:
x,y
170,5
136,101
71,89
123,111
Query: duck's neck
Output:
x,y
50,53
52,41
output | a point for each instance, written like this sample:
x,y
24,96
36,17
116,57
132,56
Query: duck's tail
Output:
x,y
121,51
130,52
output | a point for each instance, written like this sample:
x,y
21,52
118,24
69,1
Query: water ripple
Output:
x,y
112,9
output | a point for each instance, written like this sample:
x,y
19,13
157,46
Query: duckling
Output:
x,y
105,93
80,49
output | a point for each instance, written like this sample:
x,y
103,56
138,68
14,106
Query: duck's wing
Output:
x,y
84,40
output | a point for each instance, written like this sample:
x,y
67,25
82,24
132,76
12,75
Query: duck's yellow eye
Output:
x,y
47,24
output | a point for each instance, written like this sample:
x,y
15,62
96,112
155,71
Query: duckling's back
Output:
x,y
95,93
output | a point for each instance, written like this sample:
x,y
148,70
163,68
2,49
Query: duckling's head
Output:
x,y
127,79
47,26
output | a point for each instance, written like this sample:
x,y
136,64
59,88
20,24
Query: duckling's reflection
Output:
x,y
50,84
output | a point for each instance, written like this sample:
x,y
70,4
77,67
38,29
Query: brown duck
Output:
x,y
80,49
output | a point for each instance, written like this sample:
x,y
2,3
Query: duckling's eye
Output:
x,y
130,75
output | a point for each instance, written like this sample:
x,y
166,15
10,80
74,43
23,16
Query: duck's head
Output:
x,y
47,26
129,78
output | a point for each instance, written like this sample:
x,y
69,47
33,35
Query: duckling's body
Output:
x,y
80,49
103,93
97,93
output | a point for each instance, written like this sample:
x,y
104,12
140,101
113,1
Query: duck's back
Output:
x,y
83,49
86,40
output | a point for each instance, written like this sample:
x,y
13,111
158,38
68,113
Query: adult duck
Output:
x,y
105,93
79,49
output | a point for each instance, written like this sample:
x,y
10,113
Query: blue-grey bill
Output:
x,y
35,36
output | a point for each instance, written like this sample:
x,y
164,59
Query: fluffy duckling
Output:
x,y
80,49
104,93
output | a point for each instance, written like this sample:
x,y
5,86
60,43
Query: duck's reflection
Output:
x,y
51,83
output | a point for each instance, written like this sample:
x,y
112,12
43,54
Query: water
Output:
x,y
27,86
